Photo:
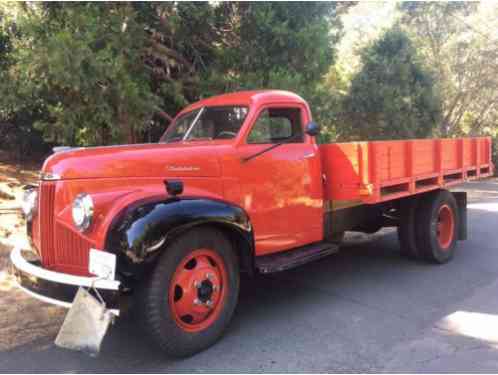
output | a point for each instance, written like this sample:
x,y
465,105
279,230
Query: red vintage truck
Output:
x,y
237,183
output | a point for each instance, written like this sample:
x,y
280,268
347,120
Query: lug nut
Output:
x,y
197,284
209,276
197,301
209,303
215,288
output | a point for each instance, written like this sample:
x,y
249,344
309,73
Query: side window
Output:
x,y
277,125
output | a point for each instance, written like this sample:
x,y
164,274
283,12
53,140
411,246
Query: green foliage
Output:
x,y
280,45
83,61
392,96
458,41
16,117
102,73
280,39
328,103
105,72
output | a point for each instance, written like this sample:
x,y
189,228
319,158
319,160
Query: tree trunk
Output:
x,y
127,130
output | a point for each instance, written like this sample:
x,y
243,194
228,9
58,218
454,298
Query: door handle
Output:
x,y
308,156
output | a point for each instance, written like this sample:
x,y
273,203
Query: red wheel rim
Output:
x,y
445,226
197,290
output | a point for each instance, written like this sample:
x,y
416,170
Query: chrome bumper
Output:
x,y
58,288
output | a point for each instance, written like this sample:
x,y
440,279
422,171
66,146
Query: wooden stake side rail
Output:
x,y
378,171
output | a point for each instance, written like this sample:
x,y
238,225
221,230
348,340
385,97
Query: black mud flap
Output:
x,y
461,199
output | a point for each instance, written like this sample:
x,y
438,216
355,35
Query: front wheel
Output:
x,y
191,295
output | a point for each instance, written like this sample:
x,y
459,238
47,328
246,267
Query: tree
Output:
x,y
105,72
82,63
458,39
18,136
392,96
279,45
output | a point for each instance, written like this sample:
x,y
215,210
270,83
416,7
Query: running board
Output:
x,y
292,258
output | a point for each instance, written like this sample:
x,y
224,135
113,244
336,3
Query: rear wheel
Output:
x,y
192,293
337,238
437,227
406,229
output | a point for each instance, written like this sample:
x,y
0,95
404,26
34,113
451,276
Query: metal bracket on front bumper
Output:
x,y
59,288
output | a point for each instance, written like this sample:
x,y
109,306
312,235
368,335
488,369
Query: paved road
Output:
x,y
365,309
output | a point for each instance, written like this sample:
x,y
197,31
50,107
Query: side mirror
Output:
x,y
312,129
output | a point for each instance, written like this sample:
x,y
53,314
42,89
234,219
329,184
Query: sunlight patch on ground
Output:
x,y
480,326
491,207
6,281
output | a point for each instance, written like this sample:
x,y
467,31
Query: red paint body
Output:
x,y
283,190
374,172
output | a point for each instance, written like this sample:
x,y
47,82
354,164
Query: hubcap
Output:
x,y
445,226
205,291
197,290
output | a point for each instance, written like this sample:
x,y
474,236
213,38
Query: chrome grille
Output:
x,y
46,222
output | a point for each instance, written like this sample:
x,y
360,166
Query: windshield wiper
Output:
x,y
282,142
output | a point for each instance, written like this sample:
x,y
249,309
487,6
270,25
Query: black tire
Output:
x,y
406,228
337,238
154,309
427,216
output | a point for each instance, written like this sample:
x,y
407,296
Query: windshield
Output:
x,y
206,123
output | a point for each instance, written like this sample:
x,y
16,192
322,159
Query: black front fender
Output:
x,y
139,234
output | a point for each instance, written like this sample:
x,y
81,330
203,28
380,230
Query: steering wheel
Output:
x,y
226,134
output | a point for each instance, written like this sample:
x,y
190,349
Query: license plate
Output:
x,y
102,264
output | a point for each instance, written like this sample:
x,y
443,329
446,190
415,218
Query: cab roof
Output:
x,y
247,98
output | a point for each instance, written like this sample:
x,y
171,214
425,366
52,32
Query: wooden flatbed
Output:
x,y
378,171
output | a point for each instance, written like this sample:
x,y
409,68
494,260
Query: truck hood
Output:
x,y
195,159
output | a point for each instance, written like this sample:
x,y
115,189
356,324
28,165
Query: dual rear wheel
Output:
x,y
429,226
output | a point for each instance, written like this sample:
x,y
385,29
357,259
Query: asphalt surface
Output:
x,y
364,309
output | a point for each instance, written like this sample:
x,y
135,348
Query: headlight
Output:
x,y
29,202
82,211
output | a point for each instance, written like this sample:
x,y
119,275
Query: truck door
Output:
x,y
281,186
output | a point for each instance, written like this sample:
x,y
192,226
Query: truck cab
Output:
x,y
237,183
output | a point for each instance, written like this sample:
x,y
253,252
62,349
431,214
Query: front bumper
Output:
x,y
59,288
